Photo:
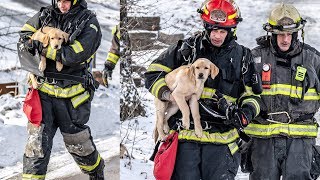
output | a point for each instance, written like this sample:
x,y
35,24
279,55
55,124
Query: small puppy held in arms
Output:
x,y
48,36
186,84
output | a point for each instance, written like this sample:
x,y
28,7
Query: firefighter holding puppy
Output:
x,y
65,96
233,94
284,133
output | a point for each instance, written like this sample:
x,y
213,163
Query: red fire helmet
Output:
x,y
220,13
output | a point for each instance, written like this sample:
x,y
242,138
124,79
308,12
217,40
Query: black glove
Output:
x,y
108,68
239,117
33,45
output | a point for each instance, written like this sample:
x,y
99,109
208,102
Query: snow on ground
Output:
x,y
104,119
181,17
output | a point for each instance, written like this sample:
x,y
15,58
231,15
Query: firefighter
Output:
x,y
284,133
65,96
215,155
113,55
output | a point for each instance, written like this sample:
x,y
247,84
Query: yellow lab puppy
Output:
x,y
186,83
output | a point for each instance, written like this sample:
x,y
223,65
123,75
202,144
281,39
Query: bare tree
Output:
x,y
130,103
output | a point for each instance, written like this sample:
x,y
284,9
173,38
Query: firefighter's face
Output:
x,y
284,41
64,6
217,37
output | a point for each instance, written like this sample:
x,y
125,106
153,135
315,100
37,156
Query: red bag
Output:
x,y
32,107
166,158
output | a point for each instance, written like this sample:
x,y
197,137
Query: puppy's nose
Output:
x,y
200,75
56,46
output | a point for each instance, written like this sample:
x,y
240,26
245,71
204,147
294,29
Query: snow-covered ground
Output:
x,y
104,119
181,17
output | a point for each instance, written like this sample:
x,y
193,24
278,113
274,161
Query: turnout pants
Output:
x,y
59,113
289,157
197,161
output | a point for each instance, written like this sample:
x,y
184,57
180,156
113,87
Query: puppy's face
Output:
x,y
56,38
203,68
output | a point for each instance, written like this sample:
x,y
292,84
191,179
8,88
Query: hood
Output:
x,y
75,4
269,41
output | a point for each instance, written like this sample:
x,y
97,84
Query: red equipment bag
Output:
x,y
32,107
166,157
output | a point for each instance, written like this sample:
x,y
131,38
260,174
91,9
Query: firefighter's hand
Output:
x,y
31,46
222,103
106,75
238,117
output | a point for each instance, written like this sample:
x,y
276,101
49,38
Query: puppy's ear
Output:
x,y
45,42
65,37
214,70
191,72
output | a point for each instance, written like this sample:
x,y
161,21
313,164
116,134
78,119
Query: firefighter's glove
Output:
x,y
221,102
238,117
108,68
32,45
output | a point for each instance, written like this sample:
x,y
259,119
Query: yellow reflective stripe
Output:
x,y
78,100
159,67
90,58
74,2
281,129
233,147
77,47
230,99
32,176
62,92
90,168
254,102
28,27
219,138
207,93
94,27
113,58
232,16
157,85
51,53
292,91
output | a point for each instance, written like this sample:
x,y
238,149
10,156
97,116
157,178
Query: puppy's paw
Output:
x,y
34,84
198,132
162,137
166,129
186,123
42,65
59,66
